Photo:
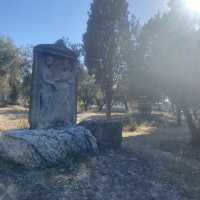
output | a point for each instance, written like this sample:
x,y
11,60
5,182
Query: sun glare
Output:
x,y
193,5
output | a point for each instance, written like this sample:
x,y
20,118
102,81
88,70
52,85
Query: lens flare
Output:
x,y
193,5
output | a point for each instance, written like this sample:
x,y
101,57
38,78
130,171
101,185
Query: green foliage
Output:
x,y
106,42
77,48
8,55
10,69
125,85
27,55
143,81
99,99
86,90
169,54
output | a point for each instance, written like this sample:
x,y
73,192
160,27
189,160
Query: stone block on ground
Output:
x,y
41,148
107,132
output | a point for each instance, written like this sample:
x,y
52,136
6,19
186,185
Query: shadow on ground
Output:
x,y
156,162
144,169
174,140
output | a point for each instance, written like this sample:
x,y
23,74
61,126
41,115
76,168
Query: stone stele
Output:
x,y
53,137
54,84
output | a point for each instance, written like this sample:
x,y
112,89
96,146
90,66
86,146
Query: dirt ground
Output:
x,y
16,117
156,162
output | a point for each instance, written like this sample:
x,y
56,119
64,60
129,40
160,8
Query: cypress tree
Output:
x,y
106,44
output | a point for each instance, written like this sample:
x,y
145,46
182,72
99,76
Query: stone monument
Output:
x,y
54,136
54,82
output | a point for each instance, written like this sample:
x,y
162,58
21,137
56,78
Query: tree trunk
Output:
x,y
99,104
178,115
174,108
85,107
126,106
195,114
108,103
194,130
100,107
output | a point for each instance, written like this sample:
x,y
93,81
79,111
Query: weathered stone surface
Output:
x,y
54,85
40,148
107,133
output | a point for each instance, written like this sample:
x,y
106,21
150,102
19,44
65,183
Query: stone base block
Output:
x,y
41,148
107,133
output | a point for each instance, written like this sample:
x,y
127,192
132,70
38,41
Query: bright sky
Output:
x,y
45,21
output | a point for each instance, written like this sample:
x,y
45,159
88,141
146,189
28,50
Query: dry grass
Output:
x,y
143,129
95,115
23,124
12,117
16,117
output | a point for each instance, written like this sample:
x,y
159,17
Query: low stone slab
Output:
x,y
41,148
107,132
